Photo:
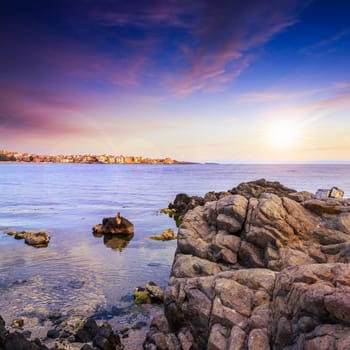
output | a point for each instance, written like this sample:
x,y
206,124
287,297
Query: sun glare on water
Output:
x,y
282,135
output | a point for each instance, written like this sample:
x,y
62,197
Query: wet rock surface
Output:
x,y
37,239
117,225
259,267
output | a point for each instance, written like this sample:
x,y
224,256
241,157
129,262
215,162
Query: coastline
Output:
x,y
104,252
96,163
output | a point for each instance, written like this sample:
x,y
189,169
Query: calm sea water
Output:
x,y
81,273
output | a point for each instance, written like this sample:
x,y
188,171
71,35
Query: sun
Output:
x,y
282,134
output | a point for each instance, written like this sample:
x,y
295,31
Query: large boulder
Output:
x,y
261,267
117,225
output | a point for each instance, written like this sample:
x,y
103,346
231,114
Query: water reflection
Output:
x,y
115,242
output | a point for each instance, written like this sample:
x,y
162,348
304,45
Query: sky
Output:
x,y
199,80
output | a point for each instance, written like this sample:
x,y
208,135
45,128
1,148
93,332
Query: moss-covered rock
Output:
x,y
167,235
141,296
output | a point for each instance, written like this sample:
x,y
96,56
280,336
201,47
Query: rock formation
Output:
x,y
117,225
259,267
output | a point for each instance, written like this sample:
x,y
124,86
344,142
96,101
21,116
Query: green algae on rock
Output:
x,y
167,235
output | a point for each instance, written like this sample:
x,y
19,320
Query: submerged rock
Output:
x,y
117,225
262,267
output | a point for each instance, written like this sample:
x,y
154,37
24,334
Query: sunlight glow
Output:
x,y
282,134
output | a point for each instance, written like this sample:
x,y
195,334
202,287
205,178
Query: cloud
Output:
x,y
177,45
28,111
212,41
225,36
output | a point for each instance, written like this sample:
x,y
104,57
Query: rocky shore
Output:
x,y
258,267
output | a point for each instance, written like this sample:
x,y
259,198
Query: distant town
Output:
x,y
10,156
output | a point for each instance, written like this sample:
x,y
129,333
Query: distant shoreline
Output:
x,y
96,163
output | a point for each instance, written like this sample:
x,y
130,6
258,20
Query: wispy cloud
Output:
x,y
214,40
326,43
225,36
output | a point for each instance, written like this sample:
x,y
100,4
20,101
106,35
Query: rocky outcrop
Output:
x,y
117,225
263,267
183,202
34,238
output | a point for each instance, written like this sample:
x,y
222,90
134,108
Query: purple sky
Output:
x,y
227,81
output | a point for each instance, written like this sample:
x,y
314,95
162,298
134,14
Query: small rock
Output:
x,y
17,323
141,296
334,192
87,331
37,239
53,333
20,235
167,235
155,292
11,233
151,294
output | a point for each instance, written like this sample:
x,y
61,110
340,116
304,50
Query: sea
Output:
x,y
79,273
